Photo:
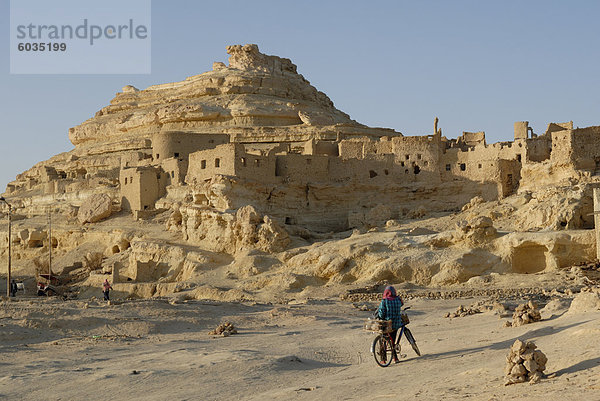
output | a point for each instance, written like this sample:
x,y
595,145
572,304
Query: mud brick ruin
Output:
x,y
254,148
284,138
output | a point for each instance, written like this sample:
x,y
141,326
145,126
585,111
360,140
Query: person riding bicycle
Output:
x,y
390,308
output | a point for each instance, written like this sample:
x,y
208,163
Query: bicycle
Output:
x,y
384,343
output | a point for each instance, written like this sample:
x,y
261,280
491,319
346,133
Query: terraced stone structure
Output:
x,y
256,133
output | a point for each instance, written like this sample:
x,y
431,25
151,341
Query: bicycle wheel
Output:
x,y
382,350
412,341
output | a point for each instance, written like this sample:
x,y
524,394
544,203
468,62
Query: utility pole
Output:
x,y
49,246
9,245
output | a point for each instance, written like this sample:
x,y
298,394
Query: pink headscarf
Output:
x,y
389,292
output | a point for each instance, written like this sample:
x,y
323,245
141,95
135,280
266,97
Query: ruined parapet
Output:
x,y
473,138
577,149
315,147
554,127
353,148
521,130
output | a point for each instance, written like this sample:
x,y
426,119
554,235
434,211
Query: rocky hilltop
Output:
x,y
254,92
246,179
256,99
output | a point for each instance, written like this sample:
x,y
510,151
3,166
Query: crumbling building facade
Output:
x,y
355,171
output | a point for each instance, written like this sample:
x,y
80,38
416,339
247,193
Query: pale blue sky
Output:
x,y
477,65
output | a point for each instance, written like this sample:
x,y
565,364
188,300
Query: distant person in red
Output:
x,y
106,289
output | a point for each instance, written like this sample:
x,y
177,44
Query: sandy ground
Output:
x,y
154,350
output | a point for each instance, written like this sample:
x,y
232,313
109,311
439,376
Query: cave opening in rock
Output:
x,y
529,258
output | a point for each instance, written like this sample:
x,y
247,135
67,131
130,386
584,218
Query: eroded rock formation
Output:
x,y
249,175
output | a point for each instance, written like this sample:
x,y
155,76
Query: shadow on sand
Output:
x,y
543,331
583,365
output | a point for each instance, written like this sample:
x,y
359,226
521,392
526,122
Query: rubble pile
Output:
x,y
463,311
525,314
524,363
225,329
478,307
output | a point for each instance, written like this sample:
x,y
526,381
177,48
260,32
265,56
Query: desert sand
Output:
x,y
311,348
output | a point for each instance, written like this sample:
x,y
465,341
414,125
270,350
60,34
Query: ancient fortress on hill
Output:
x,y
256,132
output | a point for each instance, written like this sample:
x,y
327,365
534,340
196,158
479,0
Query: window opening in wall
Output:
x,y
125,180
172,174
157,156
145,207
256,163
402,164
479,165
386,172
176,154
416,170
217,162
243,161
130,180
519,158
407,157
372,174
448,167
463,166
203,164
419,156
